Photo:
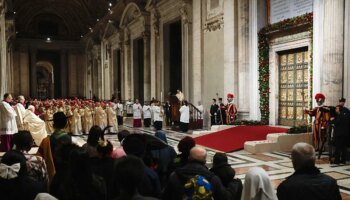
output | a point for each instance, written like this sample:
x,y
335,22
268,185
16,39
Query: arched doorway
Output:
x,y
45,79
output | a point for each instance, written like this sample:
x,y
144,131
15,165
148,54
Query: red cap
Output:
x,y
320,96
229,95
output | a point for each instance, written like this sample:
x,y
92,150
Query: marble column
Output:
x,y
197,52
154,30
3,67
33,79
147,66
346,83
243,59
333,51
186,51
253,61
64,74
127,69
230,72
318,27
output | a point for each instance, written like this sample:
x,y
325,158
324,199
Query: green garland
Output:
x,y
264,72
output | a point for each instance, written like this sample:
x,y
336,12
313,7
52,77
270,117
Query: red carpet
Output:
x,y
233,139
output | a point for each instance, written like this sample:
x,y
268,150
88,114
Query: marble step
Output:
x,y
201,132
274,136
261,146
215,128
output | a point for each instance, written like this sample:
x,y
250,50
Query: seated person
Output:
x,y
14,180
128,174
36,165
257,185
307,182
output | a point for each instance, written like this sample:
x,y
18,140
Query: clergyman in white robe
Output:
x,y
34,125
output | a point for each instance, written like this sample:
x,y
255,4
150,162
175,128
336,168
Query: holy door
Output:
x,y
293,86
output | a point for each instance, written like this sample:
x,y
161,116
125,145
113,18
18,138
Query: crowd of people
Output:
x,y
61,169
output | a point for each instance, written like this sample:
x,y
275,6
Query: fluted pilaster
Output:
x,y
333,51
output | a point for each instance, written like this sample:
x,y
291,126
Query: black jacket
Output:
x,y
225,172
175,187
308,184
342,123
213,109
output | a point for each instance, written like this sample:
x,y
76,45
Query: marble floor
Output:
x,y
277,164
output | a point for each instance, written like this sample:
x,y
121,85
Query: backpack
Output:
x,y
198,188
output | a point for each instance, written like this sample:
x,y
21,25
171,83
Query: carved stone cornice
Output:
x,y
214,25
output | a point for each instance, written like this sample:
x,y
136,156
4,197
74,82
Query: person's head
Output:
x,y
94,135
198,154
31,108
229,97
21,99
23,140
257,185
8,97
104,148
13,158
303,156
186,144
59,120
136,101
220,100
133,144
199,103
79,163
129,172
219,159
342,101
320,98
185,102
214,101
178,91
338,109
122,134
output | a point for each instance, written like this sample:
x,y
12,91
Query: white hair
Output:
x,y
303,155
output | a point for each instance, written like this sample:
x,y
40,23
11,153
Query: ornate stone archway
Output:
x,y
134,26
45,79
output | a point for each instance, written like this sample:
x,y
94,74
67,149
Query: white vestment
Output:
x,y
35,126
157,114
146,111
8,125
129,106
137,108
184,114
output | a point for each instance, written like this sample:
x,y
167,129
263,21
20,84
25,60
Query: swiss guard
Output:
x,y
231,109
322,117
